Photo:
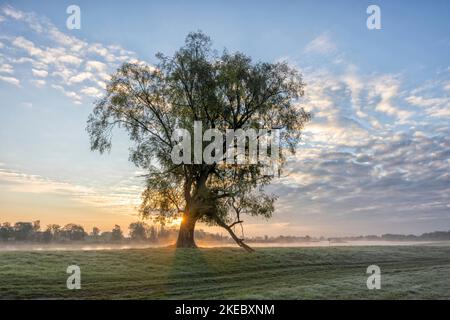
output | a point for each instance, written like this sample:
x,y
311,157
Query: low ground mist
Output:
x,y
206,244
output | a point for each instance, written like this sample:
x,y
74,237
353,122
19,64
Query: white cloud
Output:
x,y
447,86
425,102
6,68
70,94
27,45
38,83
11,80
95,66
37,184
98,49
81,77
63,57
91,91
121,197
322,44
63,73
70,42
13,13
101,84
71,59
356,86
336,134
386,88
40,73
436,107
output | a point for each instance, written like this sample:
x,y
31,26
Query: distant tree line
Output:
x,y
143,232
430,236
138,231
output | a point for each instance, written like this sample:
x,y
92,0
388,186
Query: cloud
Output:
x,y
91,91
13,13
70,59
322,44
435,107
27,45
425,102
401,175
10,80
40,73
38,83
343,132
70,94
96,66
121,197
67,63
6,68
385,88
447,86
374,157
81,77
342,116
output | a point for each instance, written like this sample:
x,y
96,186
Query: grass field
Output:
x,y
408,272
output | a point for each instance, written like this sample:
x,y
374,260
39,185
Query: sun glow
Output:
x,y
177,221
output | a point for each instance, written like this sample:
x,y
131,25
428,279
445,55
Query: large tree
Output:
x,y
226,91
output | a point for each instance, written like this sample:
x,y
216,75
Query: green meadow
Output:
x,y
407,272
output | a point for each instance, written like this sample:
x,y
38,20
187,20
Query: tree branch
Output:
x,y
239,241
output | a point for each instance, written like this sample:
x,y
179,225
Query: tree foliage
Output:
x,y
226,91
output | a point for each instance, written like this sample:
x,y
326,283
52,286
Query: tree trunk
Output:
x,y
186,233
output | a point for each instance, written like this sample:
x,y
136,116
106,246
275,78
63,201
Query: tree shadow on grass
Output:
x,y
191,276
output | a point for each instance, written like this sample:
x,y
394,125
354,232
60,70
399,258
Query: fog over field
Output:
x,y
100,247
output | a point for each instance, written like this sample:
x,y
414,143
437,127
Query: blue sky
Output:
x,y
374,159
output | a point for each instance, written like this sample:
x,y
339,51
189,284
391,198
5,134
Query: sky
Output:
x,y
374,159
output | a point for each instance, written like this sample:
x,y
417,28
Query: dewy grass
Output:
x,y
416,272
